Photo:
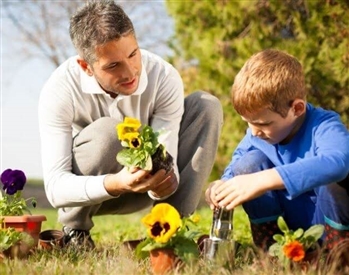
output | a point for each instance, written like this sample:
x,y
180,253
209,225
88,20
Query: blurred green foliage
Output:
x,y
214,38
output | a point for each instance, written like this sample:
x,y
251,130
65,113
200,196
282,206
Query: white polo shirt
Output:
x,y
70,100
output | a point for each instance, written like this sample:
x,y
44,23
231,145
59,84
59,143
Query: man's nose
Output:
x,y
128,71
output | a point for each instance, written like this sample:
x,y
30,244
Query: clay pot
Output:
x,y
201,241
30,224
163,260
50,239
20,250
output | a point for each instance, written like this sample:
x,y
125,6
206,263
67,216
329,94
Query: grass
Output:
x,y
113,228
111,257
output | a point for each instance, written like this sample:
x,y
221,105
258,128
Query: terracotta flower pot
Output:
x,y
30,224
20,250
163,260
50,239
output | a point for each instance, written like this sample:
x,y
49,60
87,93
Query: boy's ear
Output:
x,y
299,107
85,66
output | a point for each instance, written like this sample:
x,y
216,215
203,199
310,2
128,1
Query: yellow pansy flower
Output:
x,y
162,222
195,218
133,139
129,126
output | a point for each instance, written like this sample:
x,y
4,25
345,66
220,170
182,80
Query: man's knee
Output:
x,y
205,104
95,148
100,132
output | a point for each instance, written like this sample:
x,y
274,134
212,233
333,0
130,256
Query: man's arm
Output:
x,y
63,188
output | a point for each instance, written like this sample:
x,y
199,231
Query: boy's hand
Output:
x,y
210,194
242,188
236,191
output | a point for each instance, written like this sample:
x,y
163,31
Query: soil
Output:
x,y
161,162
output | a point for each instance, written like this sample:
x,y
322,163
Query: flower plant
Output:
x,y
142,147
10,236
11,201
292,246
166,229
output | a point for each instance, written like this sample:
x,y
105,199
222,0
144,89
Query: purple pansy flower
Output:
x,y
13,181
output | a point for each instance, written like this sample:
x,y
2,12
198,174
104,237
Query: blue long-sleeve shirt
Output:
x,y
317,155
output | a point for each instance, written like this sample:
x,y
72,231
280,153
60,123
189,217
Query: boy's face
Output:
x,y
118,66
272,127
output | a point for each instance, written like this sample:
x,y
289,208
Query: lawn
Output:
x,y
114,228
111,257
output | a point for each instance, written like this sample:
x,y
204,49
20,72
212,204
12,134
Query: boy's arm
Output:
x,y
328,163
242,188
243,147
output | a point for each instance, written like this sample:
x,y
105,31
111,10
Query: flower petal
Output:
x,y
294,251
13,181
130,125
162,222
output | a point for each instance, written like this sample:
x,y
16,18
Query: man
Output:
x,y
88,95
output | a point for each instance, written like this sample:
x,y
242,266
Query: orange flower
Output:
x,y
294,251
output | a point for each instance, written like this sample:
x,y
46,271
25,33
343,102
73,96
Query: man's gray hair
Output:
x,y
97,23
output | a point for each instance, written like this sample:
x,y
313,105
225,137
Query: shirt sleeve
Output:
x,y
328,164
243,147
63,188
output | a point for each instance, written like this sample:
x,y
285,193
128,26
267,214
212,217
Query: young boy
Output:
x,y
294,159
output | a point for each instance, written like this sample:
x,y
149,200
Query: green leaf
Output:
x,y
282,224
275,250
186,250
143,248
279,238
140,251
298,233
316,231
148,164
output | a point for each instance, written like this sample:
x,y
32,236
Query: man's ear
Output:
x,y
85,66
299,107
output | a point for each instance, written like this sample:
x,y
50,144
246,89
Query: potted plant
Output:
x,y
14,243
296,248
13,208
171,241
142,147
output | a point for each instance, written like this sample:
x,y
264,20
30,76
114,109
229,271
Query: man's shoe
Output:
x,y
77,238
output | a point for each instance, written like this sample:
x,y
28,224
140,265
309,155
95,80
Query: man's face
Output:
x,y
118,66
271,126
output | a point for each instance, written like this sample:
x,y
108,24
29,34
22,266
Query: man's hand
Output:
x,y
165,187
140,181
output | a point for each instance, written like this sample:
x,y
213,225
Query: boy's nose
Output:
x,y
255,131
